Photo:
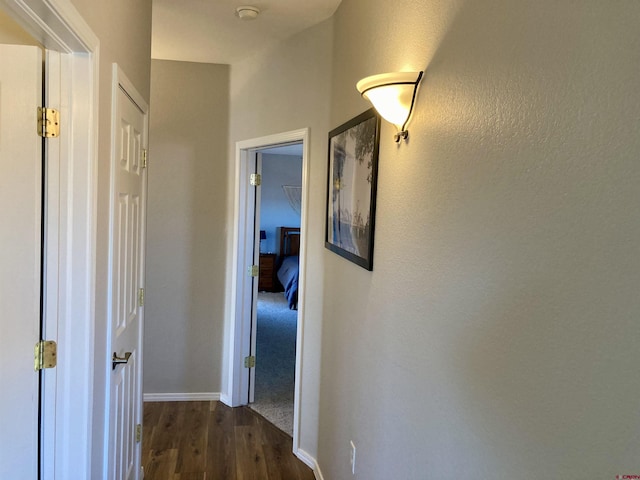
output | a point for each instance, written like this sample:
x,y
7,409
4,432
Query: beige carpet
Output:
x,y
275,360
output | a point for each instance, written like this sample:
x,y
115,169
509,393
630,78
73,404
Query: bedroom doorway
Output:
x,y
246,254
274,328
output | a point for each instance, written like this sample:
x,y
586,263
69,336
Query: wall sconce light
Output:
x,y
393,96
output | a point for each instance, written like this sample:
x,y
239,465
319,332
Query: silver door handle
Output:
x,y
116,360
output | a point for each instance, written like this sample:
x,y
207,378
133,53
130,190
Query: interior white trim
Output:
x,y
240,291
307,459
311,462
182,397
302,292
56,24
120,80
317,473
70,314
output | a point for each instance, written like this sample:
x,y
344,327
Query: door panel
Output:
x,y
128,183
255,195
20,238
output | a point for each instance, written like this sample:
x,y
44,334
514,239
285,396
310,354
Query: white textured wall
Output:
x,y
13,34
187,210
288,89
497,336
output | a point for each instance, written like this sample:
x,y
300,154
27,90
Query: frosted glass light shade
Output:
x,y
392,95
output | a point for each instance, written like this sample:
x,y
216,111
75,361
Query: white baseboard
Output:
x,y
181,397
311,462
226,399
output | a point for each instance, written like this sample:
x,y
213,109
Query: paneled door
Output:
x,y
20,254
128,200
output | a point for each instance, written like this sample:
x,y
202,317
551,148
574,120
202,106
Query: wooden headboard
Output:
x,y
289,241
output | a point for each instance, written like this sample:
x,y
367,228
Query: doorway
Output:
x,y
69,249
278,212
246,251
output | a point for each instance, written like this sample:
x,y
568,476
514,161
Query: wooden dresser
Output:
x,y
267,278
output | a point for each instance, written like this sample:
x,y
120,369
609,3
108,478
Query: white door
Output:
x,y
127,277
253,236
20,253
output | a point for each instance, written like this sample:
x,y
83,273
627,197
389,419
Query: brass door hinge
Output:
x,y
48,122
249,362
141,297
144,158
138,433
45,355
255,180
253,271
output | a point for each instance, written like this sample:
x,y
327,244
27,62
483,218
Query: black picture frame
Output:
x,y
351,188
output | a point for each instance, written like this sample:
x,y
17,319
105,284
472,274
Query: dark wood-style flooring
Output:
x,y
210,441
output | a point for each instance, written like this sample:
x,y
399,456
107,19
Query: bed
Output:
x,y
288,263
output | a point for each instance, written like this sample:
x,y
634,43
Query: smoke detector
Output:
x,y
247,12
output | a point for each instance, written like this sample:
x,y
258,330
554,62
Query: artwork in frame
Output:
x,y
351,188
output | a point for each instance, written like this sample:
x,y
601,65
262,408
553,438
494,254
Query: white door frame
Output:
x,y
71,218
241,291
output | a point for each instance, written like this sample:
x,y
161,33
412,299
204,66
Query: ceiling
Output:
x,y
209,31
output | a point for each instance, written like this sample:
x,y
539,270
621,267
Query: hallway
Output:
x,y
210,441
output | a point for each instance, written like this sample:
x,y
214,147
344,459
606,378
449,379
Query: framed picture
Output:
x,y
351,188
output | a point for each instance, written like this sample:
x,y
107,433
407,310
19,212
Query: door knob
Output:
x,y
116,360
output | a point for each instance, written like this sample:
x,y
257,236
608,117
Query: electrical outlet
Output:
x,y
353,458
